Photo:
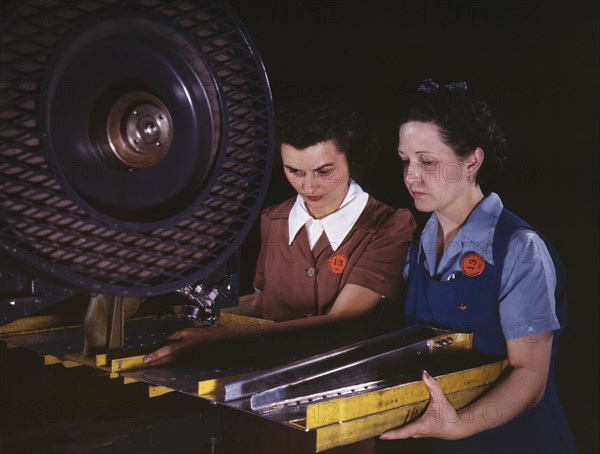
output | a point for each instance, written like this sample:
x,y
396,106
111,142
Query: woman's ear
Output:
x,y
474,161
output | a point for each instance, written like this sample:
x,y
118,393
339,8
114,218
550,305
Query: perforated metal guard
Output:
x,y
43,227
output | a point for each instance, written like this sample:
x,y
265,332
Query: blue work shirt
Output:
x,y
526,301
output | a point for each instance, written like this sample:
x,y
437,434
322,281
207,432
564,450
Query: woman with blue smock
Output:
x,y
479,268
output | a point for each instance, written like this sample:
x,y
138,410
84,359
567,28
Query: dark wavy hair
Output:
x,y
305,121
464,121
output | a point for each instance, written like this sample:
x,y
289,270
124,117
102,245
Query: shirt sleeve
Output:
x,y
379,267
527,302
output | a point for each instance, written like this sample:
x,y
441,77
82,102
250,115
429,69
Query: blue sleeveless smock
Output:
x,y
471,304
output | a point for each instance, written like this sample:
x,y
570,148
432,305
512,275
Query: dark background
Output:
x,y
535,62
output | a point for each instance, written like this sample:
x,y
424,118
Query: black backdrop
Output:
x,y
535,62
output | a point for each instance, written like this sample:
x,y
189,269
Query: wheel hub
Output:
x,y
139,130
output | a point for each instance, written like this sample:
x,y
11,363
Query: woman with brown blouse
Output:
x,y
331,254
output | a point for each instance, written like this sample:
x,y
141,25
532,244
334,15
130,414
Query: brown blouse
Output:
x,y
297,282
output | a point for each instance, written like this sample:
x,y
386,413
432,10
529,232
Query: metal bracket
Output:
x,y
203,309
104,323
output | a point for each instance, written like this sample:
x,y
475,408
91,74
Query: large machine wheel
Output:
x,y
136,141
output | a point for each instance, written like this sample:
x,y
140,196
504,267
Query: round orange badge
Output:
x,y
472,264
337,263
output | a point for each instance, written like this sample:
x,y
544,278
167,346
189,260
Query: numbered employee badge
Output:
x,y
472,264
337,263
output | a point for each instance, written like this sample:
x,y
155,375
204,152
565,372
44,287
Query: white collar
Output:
x,y
336,225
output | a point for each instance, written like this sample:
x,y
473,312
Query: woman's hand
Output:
x,y
519,390
439,420
187,338
182,340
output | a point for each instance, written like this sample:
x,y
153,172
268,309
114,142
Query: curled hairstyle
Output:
x,y
464,122
304,122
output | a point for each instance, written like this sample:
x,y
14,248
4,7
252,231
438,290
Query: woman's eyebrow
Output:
x,y
416,152
322,166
